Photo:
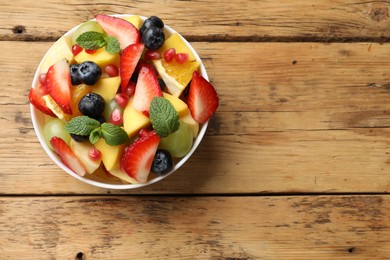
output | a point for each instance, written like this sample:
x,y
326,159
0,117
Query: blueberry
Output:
x,y
151,21
92,105
153,38
89,72
162,84
74,74
80,138
162,162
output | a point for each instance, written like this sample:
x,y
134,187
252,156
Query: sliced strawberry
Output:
x,y
137,159
202,98
39,103
67,156
43,89
59,84
123,30
146,89
129,60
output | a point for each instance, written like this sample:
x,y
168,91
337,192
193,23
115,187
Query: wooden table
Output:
x,y
295,163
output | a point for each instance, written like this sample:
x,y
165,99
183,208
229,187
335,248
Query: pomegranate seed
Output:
x,y
122,100
90,51
169,54
94,154
152,55
111,70
146,113
76,49
42,78
144,132
116,117
129,89
181,57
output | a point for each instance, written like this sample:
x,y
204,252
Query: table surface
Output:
x,y
295,163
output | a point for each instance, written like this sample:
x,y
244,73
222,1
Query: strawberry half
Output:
x,y
39,103
128,62
59,83
67,156
146,89
202,98
121,29
137,159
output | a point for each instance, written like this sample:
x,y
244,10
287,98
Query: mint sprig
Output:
x,y
81,125
164,118
91,40
84,125
114,135
113,45
95,40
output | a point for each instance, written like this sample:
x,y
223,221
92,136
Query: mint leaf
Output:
x,y
95,135
114,135
113,45
91,40
81,125
163,116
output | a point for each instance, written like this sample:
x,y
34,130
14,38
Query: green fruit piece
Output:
x,y
178,143
55,127
86,27
109,108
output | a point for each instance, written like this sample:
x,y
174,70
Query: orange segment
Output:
x,y
77,93
176,76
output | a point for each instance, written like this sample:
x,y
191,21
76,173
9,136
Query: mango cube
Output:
x,y
101,57
179,105
135,20
60,50
111,155
107,87
133,120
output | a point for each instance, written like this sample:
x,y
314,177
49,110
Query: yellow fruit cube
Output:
x,y
133,120
190,121
81,150
135,20
177,42
60,50
107,87
101,57
111,155
117,172
179,105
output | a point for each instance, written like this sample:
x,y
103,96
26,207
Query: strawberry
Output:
x,y
129,60
59,83
121,29
146,89
202,98
137,158
67,156
39,103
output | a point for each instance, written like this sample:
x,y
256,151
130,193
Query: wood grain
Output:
x,y
320,124
317,227
253,20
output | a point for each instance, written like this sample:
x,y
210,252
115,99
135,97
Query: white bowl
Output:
x,y
38,120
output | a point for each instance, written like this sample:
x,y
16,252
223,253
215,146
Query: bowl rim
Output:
x,y
35,114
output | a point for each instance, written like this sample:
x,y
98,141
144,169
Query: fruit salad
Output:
x,y
122,98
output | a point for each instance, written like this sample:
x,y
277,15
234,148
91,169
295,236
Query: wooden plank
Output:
x,y
315,227
251,20
270,134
